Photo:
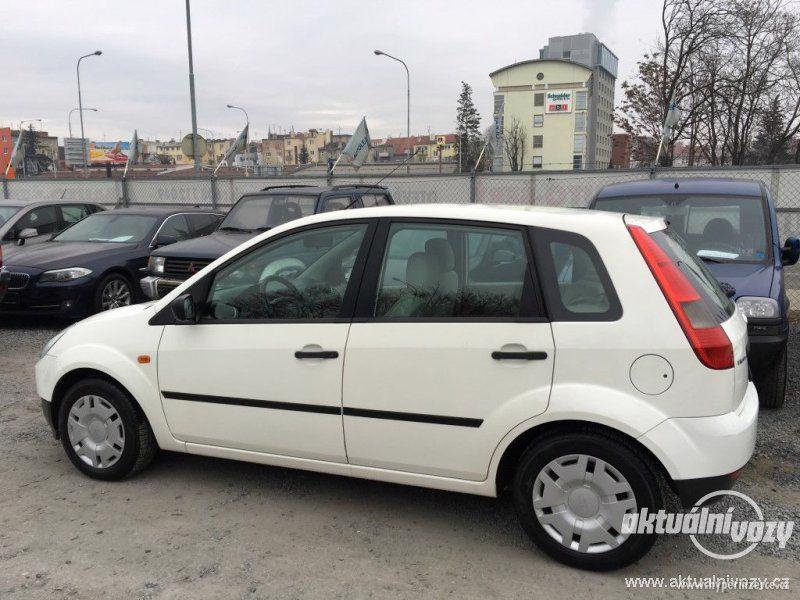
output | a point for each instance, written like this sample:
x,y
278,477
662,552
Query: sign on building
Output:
x,y
558,102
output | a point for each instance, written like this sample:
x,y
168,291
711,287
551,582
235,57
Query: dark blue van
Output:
x,y
731,224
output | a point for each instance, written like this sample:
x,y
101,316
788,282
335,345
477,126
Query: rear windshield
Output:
x,y
697,273
259,213
717,229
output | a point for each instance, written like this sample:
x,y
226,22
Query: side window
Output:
x,y
176,226
575,282
337,203
440,271
301,276
43,219
73,213
203,224
370,200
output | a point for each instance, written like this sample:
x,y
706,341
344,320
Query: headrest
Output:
x,y
441,255
719,230
417,270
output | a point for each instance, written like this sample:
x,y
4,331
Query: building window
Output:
x,y
581,100
580,121
538,141
538,120
580,142
537,162
566,54
577,161
538,99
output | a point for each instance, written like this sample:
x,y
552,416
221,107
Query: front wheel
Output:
x,y
572,492
771,384
114,291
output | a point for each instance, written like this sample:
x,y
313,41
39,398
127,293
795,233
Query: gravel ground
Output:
x,y
193,527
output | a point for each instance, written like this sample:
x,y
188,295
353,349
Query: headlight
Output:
x,y
754,307
52,341
156,264
61,275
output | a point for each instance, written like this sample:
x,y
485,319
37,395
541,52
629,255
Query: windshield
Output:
x,y
254,213
108,227
717,229
6,212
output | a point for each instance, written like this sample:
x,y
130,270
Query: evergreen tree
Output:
x,y
771,146
468,122
303,157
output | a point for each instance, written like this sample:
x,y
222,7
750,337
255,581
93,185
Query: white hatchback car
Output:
x,y
583,359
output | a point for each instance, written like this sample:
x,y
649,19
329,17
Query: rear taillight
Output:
x,y
706,337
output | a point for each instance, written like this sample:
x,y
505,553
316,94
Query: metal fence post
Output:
x,y
126,201
533,189
775,186
472,177
5,188
213,192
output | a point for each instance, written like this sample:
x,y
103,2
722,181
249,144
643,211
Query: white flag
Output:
x,y
358,146
133,152
237,146
16,154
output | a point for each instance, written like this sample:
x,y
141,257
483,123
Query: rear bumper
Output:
x,y
158,287
702,454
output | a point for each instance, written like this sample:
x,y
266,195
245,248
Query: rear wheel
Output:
x,y
103,433
572,492
771,385
113,291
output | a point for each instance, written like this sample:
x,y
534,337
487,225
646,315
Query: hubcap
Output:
x,y
580,501
95,431
116,293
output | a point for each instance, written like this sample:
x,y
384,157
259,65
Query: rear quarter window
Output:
x,y
575,282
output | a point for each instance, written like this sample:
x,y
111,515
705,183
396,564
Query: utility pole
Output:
x,y
191,88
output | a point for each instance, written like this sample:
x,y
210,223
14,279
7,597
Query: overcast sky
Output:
x,y
299,63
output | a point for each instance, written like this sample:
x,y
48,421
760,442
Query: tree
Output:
x,y
515,138
468,123
770,146
303,157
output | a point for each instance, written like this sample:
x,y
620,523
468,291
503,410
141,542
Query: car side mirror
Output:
x,y
184,310
164,240
27,233
790,252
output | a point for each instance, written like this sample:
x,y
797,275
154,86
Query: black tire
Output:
x,y
97,304
625,459
139,446
771,383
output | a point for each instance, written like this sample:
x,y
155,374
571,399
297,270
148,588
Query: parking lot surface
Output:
x,y
193,527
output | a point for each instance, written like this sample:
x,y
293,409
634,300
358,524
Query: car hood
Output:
x,y
748,279
61,255
209,247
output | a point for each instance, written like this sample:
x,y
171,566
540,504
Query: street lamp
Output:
x,y
70,117
80,102
408,90
247,118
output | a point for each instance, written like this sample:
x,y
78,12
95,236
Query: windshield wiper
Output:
x,y
230,228
713,259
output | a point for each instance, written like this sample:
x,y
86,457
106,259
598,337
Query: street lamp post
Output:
x,y
70,117
247,122
408,95
80,102
191,88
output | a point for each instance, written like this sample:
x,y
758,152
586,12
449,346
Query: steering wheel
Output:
x,y
280,279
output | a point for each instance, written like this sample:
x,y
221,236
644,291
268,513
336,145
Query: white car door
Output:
x,y
262,369
448,349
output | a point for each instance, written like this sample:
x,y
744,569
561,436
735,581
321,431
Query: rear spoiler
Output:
x,y
649,224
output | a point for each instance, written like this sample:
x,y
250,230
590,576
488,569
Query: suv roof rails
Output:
x,y
358,185
288,185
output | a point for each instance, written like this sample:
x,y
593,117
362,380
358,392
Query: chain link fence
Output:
x,y
541,188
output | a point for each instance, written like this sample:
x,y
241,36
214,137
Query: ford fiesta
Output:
x,y
558,353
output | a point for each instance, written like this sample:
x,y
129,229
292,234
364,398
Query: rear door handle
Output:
x,y
498,355
316,354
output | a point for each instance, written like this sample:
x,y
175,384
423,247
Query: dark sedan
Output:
x,y
96,264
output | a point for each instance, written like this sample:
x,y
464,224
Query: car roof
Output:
x,y
683,185
24,202
161,211
315,190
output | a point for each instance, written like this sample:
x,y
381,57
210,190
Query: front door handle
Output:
x,y
499,355
316,354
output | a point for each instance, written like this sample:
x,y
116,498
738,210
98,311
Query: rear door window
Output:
x,y
371,200
333,203
575,282
176,226
73,213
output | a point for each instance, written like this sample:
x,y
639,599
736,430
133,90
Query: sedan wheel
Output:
x,y
116,293
95,431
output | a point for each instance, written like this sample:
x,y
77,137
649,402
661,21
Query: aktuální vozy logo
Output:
x,y
703,520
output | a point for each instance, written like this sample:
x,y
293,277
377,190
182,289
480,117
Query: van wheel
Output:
x,y
771,385
103,433
113,291
571,493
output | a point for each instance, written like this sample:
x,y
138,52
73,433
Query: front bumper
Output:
x,y
703,454
72,299
765,350
47,411
158,287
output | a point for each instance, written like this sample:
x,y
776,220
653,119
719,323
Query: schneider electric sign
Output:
x,y
558,102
